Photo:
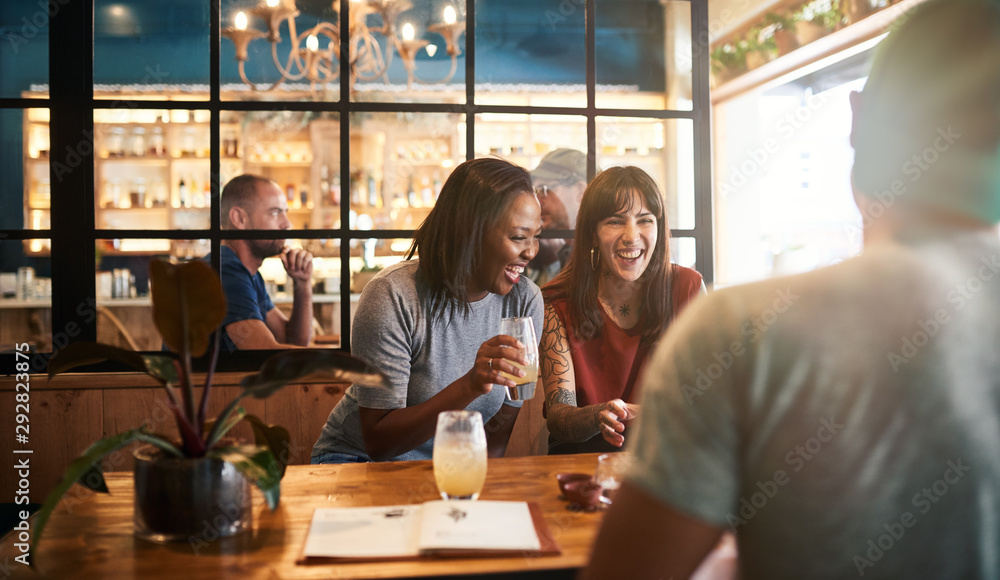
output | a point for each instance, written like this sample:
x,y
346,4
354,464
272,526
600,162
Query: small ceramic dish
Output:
x,y
585,495
565,478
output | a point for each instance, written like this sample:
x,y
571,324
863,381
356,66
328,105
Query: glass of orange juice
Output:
x,y
523,329
460,454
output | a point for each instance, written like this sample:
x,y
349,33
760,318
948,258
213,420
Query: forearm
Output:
x,y
391,433
498,430
298,329
566,421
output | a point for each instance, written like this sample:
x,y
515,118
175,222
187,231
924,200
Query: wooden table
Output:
x,y
90,535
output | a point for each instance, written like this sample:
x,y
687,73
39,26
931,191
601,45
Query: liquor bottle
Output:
x,y
335,190
290,193
207,191
372,191
426,193
411,194
324,182
182,193
304,197
355,188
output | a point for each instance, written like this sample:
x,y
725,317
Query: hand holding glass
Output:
x,y
522,329
460,454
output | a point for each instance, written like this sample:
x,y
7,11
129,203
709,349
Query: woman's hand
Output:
x,y
493,357
611,417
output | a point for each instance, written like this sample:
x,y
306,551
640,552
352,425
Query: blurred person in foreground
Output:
x,y
559,180
845,422
431,324
613,300
251,202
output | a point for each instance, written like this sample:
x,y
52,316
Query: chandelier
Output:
x,y
368,60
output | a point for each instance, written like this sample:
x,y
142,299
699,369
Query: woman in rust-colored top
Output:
x,y
605,310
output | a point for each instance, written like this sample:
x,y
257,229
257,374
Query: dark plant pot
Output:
x,y
195,500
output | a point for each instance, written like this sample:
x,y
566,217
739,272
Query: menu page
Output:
x,y
407,531
364,532
477,525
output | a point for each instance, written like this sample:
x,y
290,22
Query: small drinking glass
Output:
x,y
523,329
460,454
610,472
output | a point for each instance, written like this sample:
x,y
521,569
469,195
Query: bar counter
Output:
x,y
90,535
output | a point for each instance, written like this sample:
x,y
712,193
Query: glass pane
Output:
x,y
24,52
372,255
399,162
525,139
25,295
300,152
423,61
152,169
663,148
529,46
155,48
273,286
124,310
26,145
683,252
643,52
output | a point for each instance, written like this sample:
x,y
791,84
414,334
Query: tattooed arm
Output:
x,y
567,421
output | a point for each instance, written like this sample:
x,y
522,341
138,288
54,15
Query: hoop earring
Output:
x,y
594,259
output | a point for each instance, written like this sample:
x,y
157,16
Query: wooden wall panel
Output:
x,y
63,423
303,410
126,409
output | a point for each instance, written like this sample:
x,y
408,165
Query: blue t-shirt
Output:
x,y
246,295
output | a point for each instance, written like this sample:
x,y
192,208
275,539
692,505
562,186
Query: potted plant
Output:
x,y
728,61
783,27
816,19
760,47
203,477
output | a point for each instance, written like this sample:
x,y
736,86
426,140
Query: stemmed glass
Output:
x,y
523,329
460,454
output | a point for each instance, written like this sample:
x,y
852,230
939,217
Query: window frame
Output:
x,y
71,101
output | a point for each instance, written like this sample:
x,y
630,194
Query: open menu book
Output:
x,y
442,528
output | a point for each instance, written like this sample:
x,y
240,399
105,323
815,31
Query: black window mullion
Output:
x,y
345,179
71,96
704,241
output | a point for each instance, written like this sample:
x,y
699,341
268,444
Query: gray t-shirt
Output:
x,y
420,355
844,422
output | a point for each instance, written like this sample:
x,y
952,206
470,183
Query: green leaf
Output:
x,y
85,466
188,304
231,422
275,438
258,465
84,353
293,365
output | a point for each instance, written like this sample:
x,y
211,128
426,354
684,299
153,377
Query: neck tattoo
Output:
x,y
623,310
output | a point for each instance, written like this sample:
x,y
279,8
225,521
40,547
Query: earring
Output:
x,y
594,257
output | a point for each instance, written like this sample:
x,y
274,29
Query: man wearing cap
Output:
x,y
560,180
845,422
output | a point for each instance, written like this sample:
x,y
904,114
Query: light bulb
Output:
x,y
408,32
450,17
272,3
312,43
240,21
431,50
